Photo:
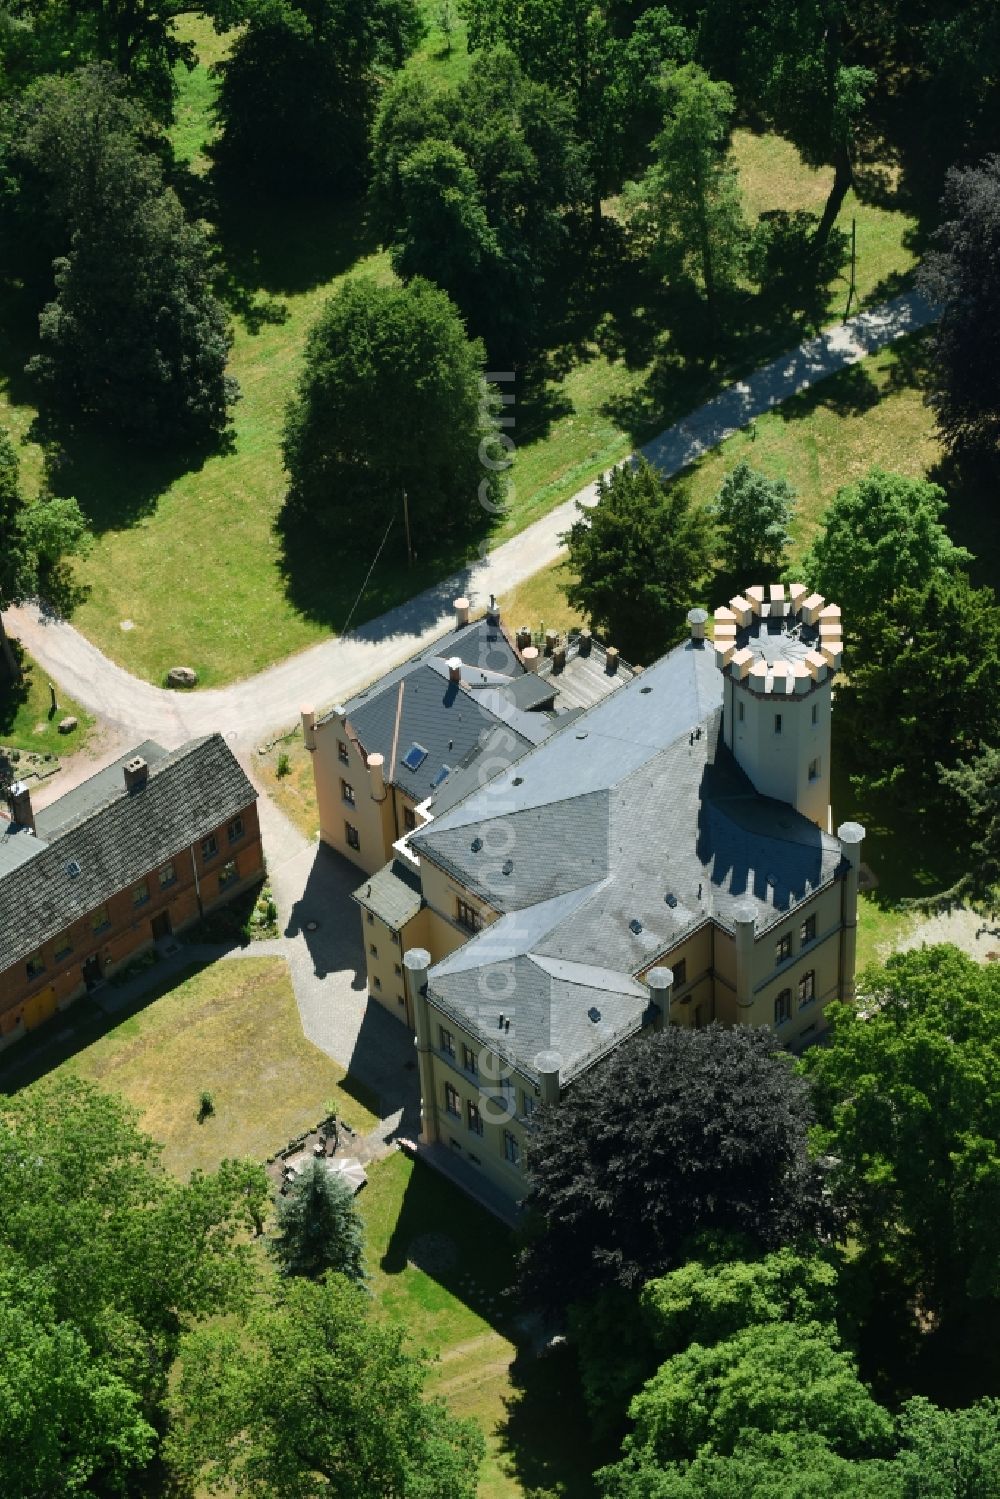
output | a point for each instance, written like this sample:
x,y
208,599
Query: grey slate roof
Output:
x,y
393,893
118,842
94,791
17,846
586,836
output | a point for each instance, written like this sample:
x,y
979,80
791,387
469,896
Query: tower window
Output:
x,y
739,711
815,713
777,723
814,770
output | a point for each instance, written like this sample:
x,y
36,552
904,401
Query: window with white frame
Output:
x,y
352,835
347,792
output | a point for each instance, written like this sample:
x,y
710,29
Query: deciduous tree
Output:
x,y
718,1143
962,274
753,514
299,88
688,204
391,399
881,536
907,1104
640,557
320,1398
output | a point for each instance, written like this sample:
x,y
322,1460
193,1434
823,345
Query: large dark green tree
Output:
x,y
299,88
134,341
639,557
714,1139
906,1098
391,399
604,63
318,1226
109,1259
962,274
924,687
478,189
321,1398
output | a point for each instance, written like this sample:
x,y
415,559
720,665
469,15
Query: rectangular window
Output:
x,y
783,1007
511,1148
409,819
470,1060
783,949
814,770
397,970
777,723
815,714
35,965
63,950
100,920
452,1102
228,874
807,931
740,709
377,985
475,1118
680,972
140,893
342,754
468,916
168,876
394,938
370,919
527,1104
401,1001
235,830
209,847
347,792
352,835
447,1041
373,949
807,988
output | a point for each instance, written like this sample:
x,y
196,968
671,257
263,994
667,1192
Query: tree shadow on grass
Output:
x,y
546,1436
13,695
287,247
116,484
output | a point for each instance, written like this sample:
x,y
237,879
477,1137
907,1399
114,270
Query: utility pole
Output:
x,y
854,265
406,521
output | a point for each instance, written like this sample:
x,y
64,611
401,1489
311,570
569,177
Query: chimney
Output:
x,y
611,660
136,774
461,607
551,640
376,776
530,657
586,641
308,717
493,611
697,619
548,1065
660,982
20,806
523,636
455,669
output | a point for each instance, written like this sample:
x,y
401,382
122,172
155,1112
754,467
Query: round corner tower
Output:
x,y
778,649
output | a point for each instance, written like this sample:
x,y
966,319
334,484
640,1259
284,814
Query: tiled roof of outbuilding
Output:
x,y
118,841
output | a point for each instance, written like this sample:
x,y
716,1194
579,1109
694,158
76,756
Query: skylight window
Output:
x,y
441,775
72,869
476,845
670,899
415,756
635,925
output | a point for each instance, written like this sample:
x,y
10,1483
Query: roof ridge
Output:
x,y
172,757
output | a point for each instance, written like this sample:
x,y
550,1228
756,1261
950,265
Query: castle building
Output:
x,y
664,856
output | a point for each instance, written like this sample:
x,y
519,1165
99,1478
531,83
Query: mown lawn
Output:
x,y
189,555
461,1310
232,1029
27,721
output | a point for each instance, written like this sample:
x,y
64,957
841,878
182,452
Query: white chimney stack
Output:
x,y
461,607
